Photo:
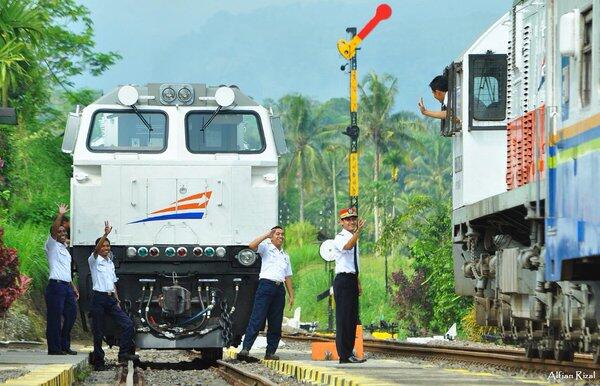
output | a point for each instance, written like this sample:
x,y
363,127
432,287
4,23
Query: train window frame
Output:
x,y
127,111
226,112
453,121
586,67
499,65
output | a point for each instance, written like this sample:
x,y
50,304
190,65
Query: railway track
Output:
x,y
513,359
131,375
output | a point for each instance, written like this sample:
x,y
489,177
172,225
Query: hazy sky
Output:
x,y
273,47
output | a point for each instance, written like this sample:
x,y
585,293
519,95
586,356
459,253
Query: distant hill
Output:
x,y
276,49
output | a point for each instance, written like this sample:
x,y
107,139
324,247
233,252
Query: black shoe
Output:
x,y
271,357
100,367
70,352
353,359
128,357
57,353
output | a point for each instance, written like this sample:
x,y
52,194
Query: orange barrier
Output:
x,y
326,351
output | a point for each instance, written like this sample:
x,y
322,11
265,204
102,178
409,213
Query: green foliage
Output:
x,y
39,176
424,230
39,49
29,238
300,234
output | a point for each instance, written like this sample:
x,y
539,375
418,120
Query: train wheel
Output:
x,y
563,355
546,354
211,355
531,351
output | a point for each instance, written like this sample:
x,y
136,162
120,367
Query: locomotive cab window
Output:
x,y
229,132
586,59
119,131
487,90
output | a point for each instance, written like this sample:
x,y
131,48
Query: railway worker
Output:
x,y
105,302
346,285
269,300
439,89
61,294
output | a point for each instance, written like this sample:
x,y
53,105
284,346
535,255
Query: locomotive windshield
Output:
x,y
124,131
229,132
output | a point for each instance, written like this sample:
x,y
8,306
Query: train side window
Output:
x,y
586,59
487,89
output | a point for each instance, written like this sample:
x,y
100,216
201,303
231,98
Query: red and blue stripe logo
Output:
x,y
190,207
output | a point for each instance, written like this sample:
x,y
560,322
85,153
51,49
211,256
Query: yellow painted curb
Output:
x,y
49,375
320,375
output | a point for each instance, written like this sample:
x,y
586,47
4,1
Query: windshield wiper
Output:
x,y
211,118
137,112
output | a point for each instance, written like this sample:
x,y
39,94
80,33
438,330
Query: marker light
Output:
x,y
209,251
184,94
131,252
170,252
142,251
246,257
154,252
181,251
198,251
168,95
220,251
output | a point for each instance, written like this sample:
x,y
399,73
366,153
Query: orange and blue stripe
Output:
x,y
190,205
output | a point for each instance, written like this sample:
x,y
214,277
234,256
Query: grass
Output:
x,y
29,241
311,278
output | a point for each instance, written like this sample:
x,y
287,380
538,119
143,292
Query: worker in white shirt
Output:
x,y
61,294
346,285
105,302
269,300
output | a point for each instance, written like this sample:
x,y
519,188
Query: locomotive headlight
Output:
x,y
184,94
154,251
220,251
131,252
170,251
198,251
246,257
181,251
168,95
142,251
209,251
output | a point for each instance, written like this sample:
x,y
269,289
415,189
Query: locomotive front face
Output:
x,y
186,184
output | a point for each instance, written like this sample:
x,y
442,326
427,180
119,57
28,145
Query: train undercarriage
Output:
x,y
499,259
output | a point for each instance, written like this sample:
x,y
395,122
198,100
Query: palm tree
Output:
x,y
431,173
304,139
21,25
377,100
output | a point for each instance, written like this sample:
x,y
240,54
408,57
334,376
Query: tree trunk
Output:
x,y
301,188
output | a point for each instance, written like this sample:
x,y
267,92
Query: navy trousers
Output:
x,y
345,293
61,312
269,302
105,305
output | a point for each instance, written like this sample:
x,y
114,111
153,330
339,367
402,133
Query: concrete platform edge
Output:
x,y
320,375
50,375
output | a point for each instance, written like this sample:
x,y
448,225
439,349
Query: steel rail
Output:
x,y
513,359
239,377
129,375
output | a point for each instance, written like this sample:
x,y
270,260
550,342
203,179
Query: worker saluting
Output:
x,y
346,286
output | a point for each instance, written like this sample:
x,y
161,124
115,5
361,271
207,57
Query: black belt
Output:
x,y
108,293
273,281
60,281
347,273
